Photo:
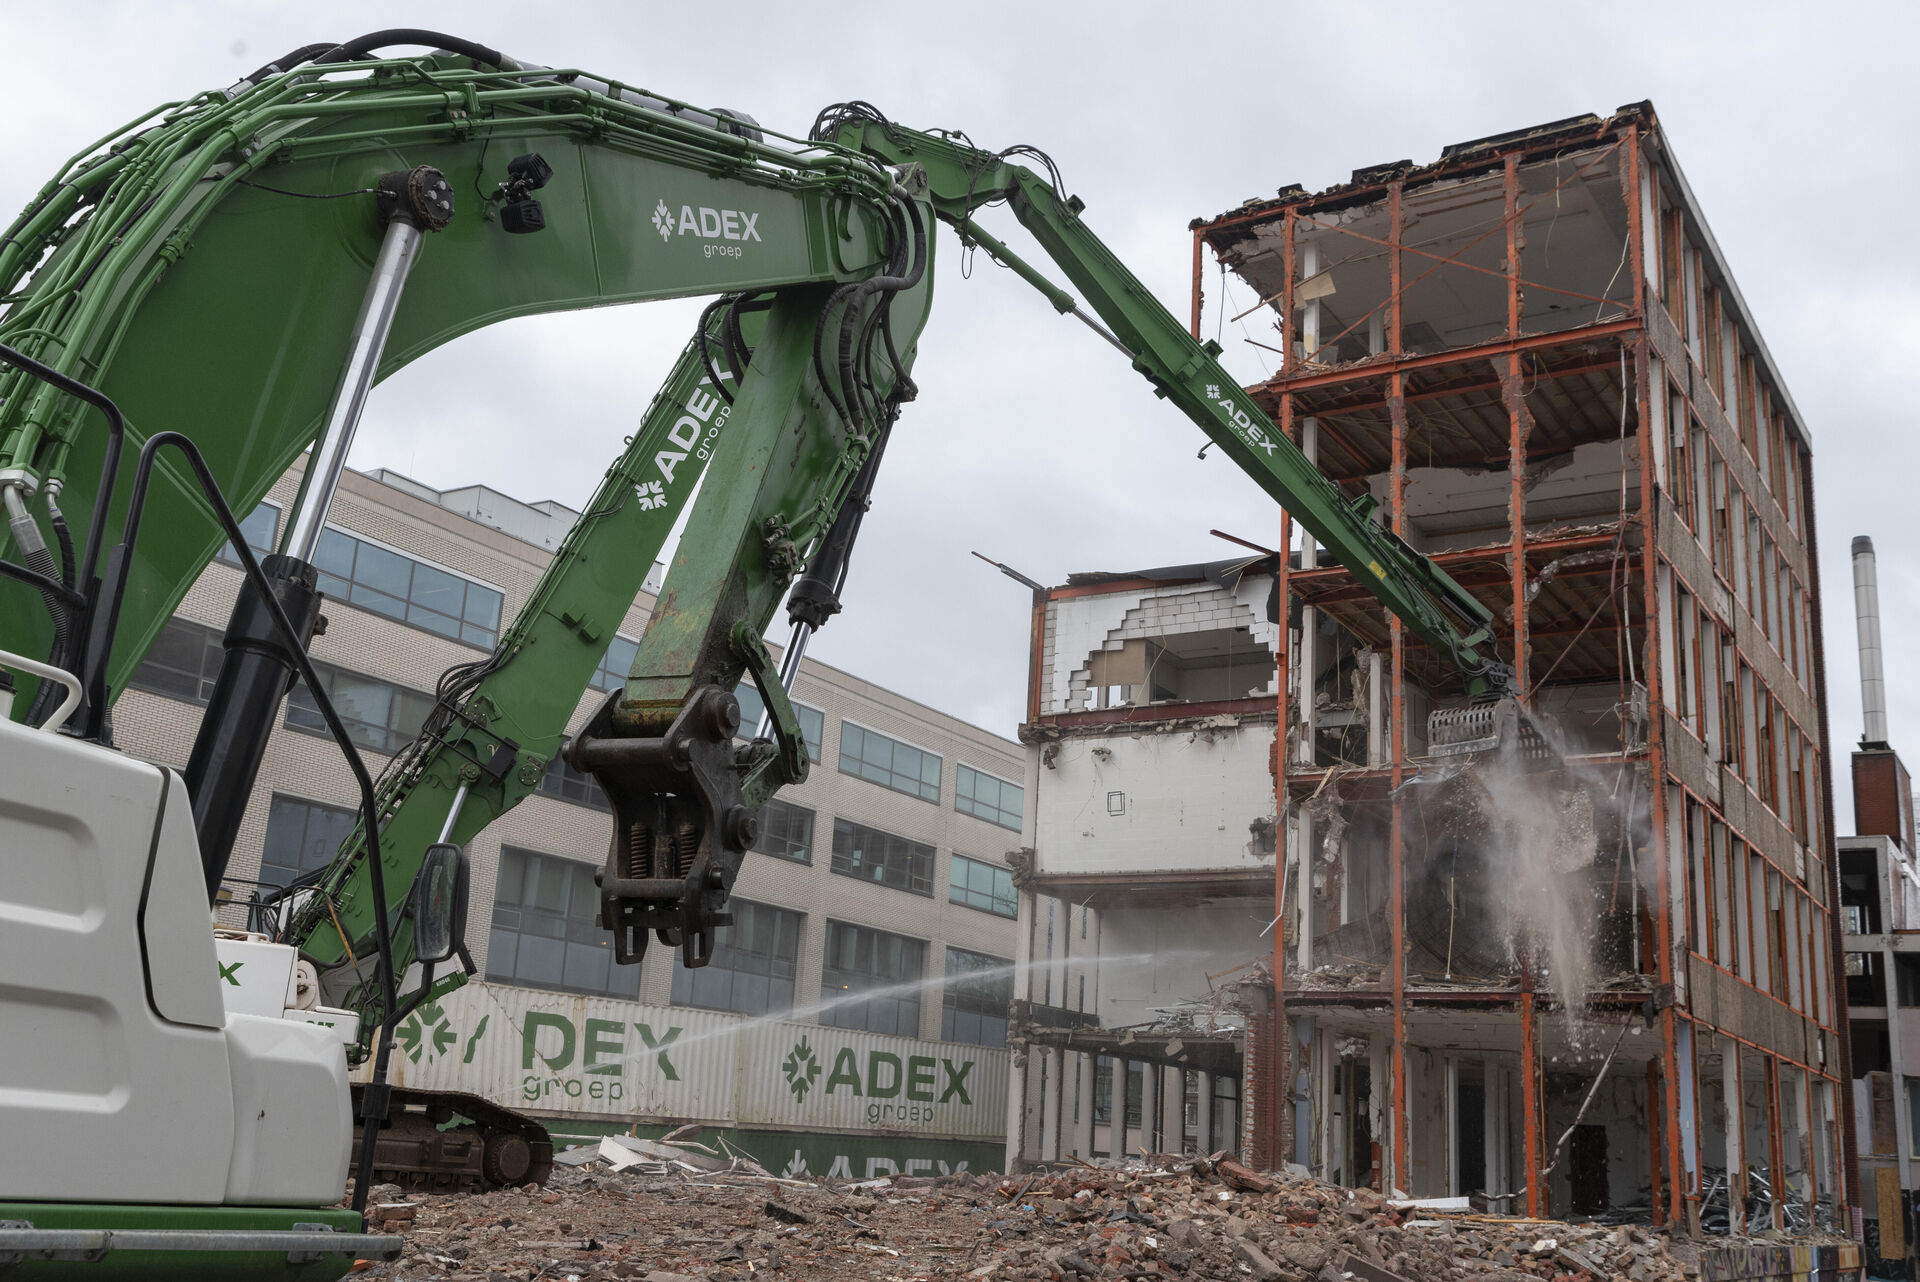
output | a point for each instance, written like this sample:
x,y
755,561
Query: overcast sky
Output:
x,y
1032,441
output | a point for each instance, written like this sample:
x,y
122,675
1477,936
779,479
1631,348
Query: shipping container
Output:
x,y
801,1098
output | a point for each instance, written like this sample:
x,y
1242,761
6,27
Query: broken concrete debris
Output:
x,y
1190,1218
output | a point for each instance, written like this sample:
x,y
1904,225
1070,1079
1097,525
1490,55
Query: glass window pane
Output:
x,y
379,602
411,591
384,571
334,555
437,590
586,967
433,621
541,961
483,607
752,708
547,886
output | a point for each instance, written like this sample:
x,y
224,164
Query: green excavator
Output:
x,y
202,299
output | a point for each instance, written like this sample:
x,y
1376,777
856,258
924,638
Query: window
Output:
x,y
1679,474
872,855
753,966
812,722
1671,248
888,762
870,979
1711,305
984,886
1764,709
182,664
260,528
1103,1091
1866,986
978,992
377,714
1913,1114
616,663
985,797
302,836
786,832
546,932
1745,402
563,781
399,587
1722,534
1906,974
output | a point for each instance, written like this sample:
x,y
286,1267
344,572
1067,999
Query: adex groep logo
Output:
x,y
717,227
430,1031
801,1068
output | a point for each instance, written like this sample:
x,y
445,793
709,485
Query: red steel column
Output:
x,y
1529,1093
1281,1050
1512,385
1654,1121
1397,743
1397,735
1282,1039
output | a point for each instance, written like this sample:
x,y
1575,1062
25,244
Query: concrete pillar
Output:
x,y
1050,1105
1310,318
1307,1121
1017,1076
1330,1126
1117,1114
1498,1130
1731,1089
1203,1122
1305,848
1450,1076
1150,1107
1083,1120
1377,753
1173,1110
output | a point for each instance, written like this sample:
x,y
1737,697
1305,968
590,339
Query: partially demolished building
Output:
x,y
1598,982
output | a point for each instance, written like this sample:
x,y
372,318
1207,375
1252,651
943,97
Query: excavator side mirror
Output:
x,y
440,903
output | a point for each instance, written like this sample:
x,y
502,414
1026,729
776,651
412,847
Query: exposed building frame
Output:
x,y
1661,341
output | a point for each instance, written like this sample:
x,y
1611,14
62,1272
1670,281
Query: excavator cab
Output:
x,y
216,1141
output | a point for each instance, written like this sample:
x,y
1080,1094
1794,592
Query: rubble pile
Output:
x,y
1192,1218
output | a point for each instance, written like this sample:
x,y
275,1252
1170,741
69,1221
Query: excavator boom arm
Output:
x,y
962,179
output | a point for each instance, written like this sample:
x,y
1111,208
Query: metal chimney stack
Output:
x,y
1866,611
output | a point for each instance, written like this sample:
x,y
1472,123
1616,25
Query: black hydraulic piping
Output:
x,y
360,46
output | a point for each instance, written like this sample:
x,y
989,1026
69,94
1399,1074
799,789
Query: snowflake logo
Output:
x,y
663,220
650,494
801,1067
1213,391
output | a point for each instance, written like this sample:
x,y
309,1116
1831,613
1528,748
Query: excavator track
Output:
x,y
492,1148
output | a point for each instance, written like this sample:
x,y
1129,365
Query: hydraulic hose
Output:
x,y
61,533
33,551
290,59
360,46
48,694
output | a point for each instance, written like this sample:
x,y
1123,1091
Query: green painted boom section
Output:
x,y
172,270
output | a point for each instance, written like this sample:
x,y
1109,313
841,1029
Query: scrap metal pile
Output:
x,y
670,1220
